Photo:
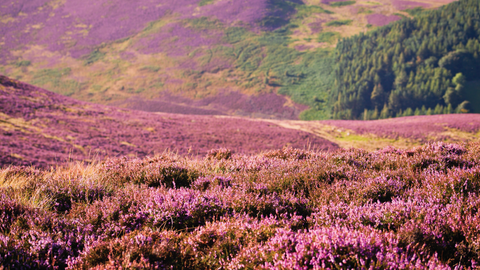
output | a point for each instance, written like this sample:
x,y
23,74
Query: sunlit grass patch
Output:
x,y
23,63
150,68
94,56
205,2
304,11
337,23
329,37
54,80
342,3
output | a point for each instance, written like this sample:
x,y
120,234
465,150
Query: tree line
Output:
x,y
413,66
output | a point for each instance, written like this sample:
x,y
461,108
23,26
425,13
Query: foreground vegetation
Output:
x,y
282,209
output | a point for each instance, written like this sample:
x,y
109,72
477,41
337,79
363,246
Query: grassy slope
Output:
x,y
196,57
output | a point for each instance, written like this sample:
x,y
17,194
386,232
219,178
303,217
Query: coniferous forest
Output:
x,y
411,67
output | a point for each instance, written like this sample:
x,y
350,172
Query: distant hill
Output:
x,y
41,128
257,58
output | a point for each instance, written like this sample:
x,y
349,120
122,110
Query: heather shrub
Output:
x,y
40,240
332,247
114,216
170,176
388,216
217,244
60,197
184,208
439,156
10,211
287,153
437,230
145,249
258,205
360,191
307,178
13,256
219,154
382,189
154,172
204,183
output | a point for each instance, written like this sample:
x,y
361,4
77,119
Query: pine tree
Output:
x,y
384,113
399,113
377,94
374,115
448,109
394,101
417,111
423,111
438,109
408,112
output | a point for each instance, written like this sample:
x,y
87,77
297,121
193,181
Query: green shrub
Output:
x,y
329,37
93,57
52,79
339,23
342,4
204,3
305,11
23,63
150,68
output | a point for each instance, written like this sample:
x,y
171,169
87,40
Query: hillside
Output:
x,y
41,128
259,58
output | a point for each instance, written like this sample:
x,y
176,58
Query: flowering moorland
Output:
x,y
41,128
280,209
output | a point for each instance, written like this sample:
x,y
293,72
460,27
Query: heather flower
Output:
x,y
219,154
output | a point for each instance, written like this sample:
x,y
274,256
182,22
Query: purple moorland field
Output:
x,y
38,127
176,40
412,127
402,4
233,103
282,209
381,20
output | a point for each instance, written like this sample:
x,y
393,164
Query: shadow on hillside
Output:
x,y
279,13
